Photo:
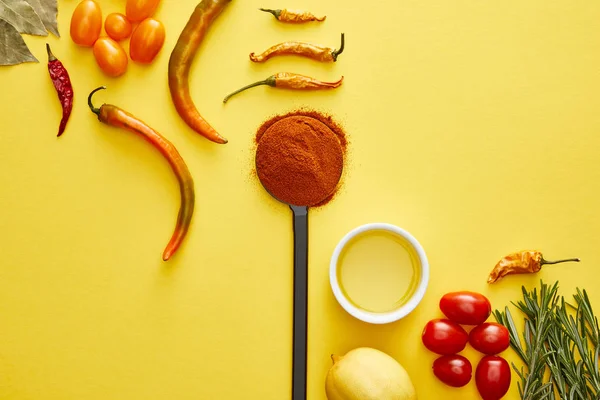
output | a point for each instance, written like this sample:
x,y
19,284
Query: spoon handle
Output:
x,y
300,301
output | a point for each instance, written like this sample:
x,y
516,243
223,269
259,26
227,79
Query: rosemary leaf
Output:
x,y
538,310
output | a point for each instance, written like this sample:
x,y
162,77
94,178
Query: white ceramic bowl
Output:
x,y
407,306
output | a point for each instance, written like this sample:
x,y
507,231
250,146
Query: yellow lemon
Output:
x,y
368,374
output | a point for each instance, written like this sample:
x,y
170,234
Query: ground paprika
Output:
x,y
300,157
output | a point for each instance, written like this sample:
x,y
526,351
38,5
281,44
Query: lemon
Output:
x,y
368,374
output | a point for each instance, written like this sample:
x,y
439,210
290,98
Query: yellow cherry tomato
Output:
x,y
86,23
139,10
146,41
117,26
110,56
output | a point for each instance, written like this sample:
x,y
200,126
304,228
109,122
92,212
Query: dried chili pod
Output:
x,y
64,88
293,16
288,80
114,116
523,262
313,51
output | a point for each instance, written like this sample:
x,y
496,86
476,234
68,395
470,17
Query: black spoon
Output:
x,y
300,326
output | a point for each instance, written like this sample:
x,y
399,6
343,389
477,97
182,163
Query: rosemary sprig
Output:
x,y
539,320
589,322
588,325
582,330
566,368
558,337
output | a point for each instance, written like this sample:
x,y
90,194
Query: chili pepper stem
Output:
x,y
270,81
276,13
51,56
94,109
544,262
339,51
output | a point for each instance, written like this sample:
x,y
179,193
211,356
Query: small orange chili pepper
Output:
x,y
523,262
112,115
287,80
293,16
316,52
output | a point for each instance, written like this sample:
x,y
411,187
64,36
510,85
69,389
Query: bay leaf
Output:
x,y
13,49
22,16
47,11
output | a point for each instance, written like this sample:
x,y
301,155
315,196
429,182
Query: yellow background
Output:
x,y
473,124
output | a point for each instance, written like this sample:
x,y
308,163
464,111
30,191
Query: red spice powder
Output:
x,y
326,119
300,157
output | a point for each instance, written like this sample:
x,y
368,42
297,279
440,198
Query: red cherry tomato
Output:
x,y
492,377
86,23
444,337
489,338
117,26
110,56
453,370
467,308
146,41
139,10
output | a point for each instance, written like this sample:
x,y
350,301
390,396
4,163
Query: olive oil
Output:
x,y
377,271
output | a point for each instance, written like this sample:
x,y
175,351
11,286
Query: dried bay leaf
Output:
x,y
47,11
22,16
13,49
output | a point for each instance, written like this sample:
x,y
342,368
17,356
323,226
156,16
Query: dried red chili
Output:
x,y
62,84
300,157
114,116
309,50
287,80
293,16
522,262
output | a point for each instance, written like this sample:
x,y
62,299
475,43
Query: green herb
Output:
x,y
581,331
565,368
559,338
589,320
17,17
539,320
13,49
22,16
47,11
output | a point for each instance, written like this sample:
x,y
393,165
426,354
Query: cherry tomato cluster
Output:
x,y
446,337
147,38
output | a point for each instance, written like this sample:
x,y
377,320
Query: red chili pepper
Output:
x,y
62,84
112,115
